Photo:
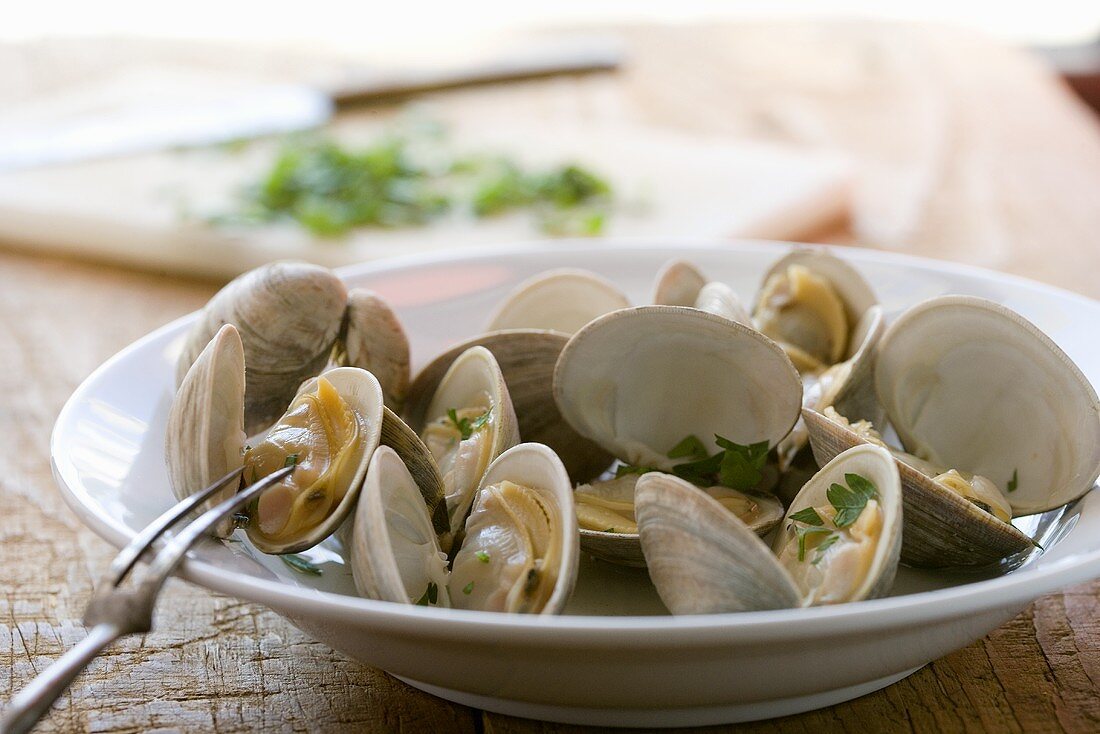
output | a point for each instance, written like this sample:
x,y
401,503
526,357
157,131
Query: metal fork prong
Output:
x,y
173,553
143,541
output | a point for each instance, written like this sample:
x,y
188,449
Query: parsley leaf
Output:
x,y
809,516
623,469
291,460
431,595
468,588
301,564
1012,483
802,533
849,501
482,556
691,447
466,426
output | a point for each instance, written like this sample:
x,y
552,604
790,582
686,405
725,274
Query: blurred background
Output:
x,y
206,138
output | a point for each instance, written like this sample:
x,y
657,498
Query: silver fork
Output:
x,y
113,611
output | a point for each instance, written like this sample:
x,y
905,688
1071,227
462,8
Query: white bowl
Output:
x,y
595,665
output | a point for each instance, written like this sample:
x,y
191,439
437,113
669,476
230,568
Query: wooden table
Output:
x,y
967,150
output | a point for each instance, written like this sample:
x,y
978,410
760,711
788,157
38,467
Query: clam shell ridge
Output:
x,y
205,432
970,384
638,381
701,558
288,315
374,340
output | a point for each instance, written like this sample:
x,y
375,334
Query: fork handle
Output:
x,y
31,704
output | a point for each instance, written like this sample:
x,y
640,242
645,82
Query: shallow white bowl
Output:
x,y
588,667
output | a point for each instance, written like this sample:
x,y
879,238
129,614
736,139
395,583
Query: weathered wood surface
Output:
x,y
967,151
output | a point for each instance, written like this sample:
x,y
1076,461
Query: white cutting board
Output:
x,y
145,211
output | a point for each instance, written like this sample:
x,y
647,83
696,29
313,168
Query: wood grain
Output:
x,y
967,151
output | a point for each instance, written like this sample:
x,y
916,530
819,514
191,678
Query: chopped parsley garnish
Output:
x,y
431,595
1012,483
482,556
466,426
291,460
410,177
735,466
609,530
301,564
849,501
802,532
468,588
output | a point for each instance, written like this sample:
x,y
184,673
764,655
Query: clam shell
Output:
x,y
638,381
941,528
374,340
537,467
474,374
701,558
395,566
682,284
526,359
288,315
972,385
205,434
404,441
361,391
877,465
560,300
853,289
625,549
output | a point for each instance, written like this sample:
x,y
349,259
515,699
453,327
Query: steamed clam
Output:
x,y
291,318
978,448
469,422
520,550
679,283
838,542
328,433
645,383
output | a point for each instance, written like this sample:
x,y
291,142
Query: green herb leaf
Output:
x,y
802,533
609,530
691,447
468,588
465,426
1012,483
623,469
742,466
430,596
291,460
809,516
482,556
301,564
849,501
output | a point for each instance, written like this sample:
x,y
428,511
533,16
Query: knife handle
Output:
x,y
531,63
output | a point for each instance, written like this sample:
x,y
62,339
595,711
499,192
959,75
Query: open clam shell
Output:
x,y
373,339
546,516
941,529
560,300
702,560
526,358
759,512
856,294
404,441
520,553
970,384
361,393
205,434
473,383
288,315
638,381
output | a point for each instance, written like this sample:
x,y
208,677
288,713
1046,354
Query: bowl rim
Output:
x,y
1017,588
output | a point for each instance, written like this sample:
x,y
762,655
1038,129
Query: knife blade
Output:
x,y
154,110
